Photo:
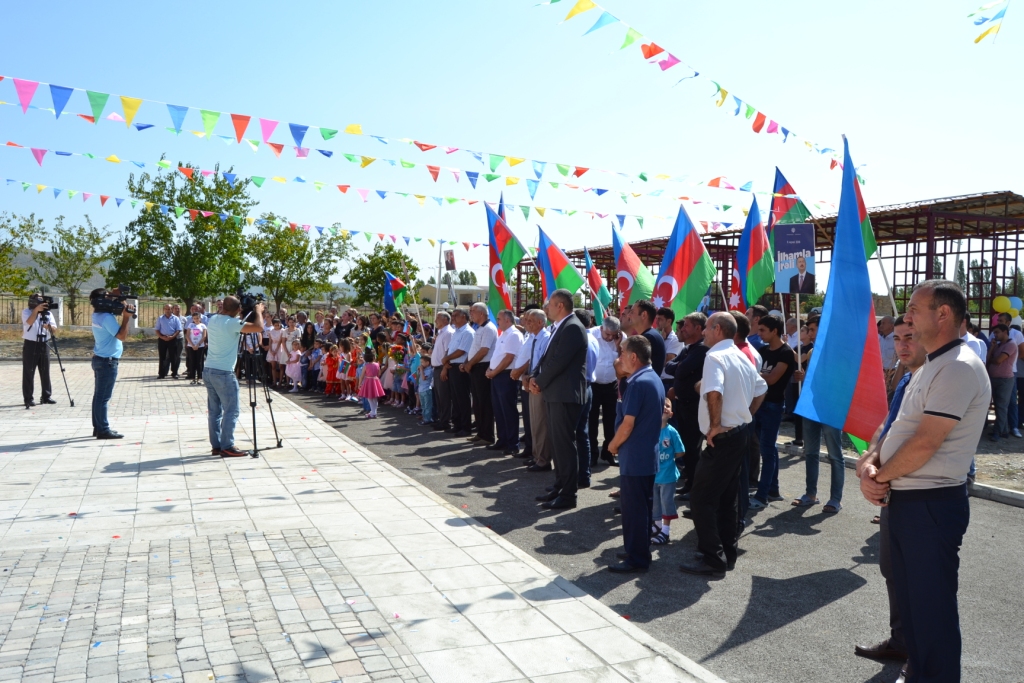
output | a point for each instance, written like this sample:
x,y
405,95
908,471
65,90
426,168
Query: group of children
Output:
x,y
356,370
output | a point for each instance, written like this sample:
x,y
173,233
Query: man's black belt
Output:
x,y
734,430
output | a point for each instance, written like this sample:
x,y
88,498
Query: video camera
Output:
x,y
115,303
248,302
36,299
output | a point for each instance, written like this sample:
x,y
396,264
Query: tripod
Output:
x,y
253,366
44,319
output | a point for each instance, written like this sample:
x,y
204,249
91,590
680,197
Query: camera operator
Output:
x,y
108,334
38,325
221,384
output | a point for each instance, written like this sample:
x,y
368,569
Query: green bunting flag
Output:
x,y
328,133
97,100
209,120
496,160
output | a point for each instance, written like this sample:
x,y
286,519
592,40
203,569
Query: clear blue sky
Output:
x,y
929,112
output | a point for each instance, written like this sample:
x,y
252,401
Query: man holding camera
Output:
x,y
37,326
219,374
109,335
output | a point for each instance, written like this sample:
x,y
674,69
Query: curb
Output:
x,y
983,491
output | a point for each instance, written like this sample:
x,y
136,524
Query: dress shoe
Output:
x,y
688,514
49,401
610,459
583,484
549,489
622,556
461,434
729,565
559,503
109,435
547,497
449,430
617,511
626,568
215,451
473,439
495,447
510,452
30,404
903,674
534,467
702,568
880,651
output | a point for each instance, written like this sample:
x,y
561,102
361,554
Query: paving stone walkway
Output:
x,y
149,559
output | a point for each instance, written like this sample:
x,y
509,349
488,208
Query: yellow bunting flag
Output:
x,y
512,161
540,210
991,30
420,198
40,188
722,93
149,205
432,242
511,180
250,220
579,8
367,161
113,159
198,133
131,108
354,129
280,179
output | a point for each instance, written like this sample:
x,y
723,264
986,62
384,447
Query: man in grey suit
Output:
x,y
561,380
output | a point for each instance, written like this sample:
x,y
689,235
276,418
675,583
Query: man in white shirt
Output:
x,y
504,392
460,385
37,327
793,333
442,386
520,367
731,391
973,342
605,388
535,344
485,339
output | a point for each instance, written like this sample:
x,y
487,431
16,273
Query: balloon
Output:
x,y
1000,304
994,321
1015,302
1013,314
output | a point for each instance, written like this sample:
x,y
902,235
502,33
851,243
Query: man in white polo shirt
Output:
x,y
485,338
505,390
442,387
925,458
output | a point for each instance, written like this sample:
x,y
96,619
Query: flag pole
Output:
x,y
885,277
437,288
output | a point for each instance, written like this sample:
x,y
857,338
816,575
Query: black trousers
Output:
x,y
196,360
926,528
792,396
896,638
636,500
35,354
583,439
442,399
170,356
527,438
562,419
460,385
689,433
483,407
713,498
602,410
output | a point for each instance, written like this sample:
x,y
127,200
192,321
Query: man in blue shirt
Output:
x,y
219,374
108,335
636,443
169,342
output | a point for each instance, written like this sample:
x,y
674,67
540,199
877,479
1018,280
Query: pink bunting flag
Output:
x,y
363,193
773,127
455,172
476,244
26,91
449,150
305,226
302,152
393,238
85,196
267,127
668,62
207,174
206,214
39,154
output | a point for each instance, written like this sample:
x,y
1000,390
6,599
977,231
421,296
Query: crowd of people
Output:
x,y
688,410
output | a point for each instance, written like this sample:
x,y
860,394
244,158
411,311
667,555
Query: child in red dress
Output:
x,y
333,361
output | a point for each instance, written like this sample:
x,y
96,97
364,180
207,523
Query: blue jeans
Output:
x,y
812,449
1013,410
222,402
427,405
104,370
768,419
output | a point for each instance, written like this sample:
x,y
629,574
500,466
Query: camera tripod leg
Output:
x,y
63,372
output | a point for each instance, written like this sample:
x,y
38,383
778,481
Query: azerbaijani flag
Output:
x,y
599,294
735,299
555,270
754,259
687,271
786,208
866,231
505,254
844,386
632,278
394,292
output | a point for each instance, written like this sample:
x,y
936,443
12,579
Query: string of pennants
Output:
x,y
40,153
654,53
992,14
130,106
195,214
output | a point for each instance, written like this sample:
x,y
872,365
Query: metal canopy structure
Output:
x,y
972,239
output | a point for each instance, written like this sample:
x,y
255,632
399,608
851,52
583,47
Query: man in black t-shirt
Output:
x,y
779,365
644,313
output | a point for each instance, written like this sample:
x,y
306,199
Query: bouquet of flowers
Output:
x,y
397,354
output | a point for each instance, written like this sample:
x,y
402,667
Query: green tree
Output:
x,y
466,277
76,253
431,280
367,275
289,264
16,236
172,249
961,275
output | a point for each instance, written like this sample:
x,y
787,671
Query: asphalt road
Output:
x,y
806,587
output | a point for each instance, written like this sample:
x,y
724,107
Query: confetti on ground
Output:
x,y
115,537
396,616
97,643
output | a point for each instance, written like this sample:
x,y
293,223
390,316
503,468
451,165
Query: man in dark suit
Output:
x,y
802,282
562,382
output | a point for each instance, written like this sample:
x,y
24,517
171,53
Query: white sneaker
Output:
x,y
294,390
755,504
1016,433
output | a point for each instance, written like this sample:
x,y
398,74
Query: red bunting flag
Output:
x,y
240,122
294,226
466,245
424,146
14,144
277,147
580,170
86,117
651,50
103,199
187,172
759,122
434,170
344,188
193,213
